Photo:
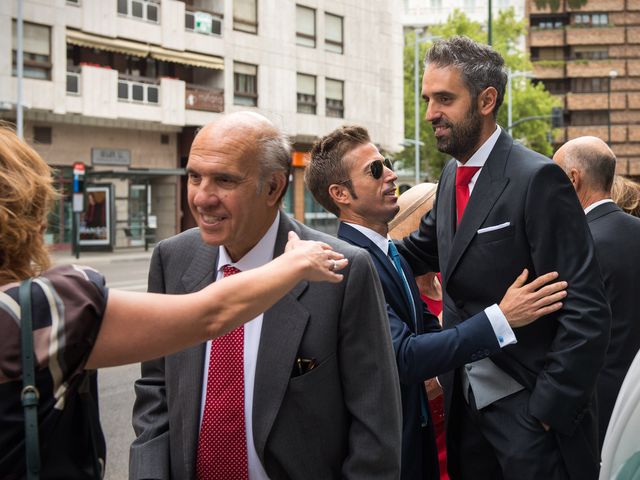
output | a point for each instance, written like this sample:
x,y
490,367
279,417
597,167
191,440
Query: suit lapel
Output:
x,y
355,237
283,326
200,273
446,213
490,185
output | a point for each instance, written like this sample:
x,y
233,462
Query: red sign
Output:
x,y
78,168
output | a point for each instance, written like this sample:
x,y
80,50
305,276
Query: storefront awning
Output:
x,y
127,47
188,58
119,45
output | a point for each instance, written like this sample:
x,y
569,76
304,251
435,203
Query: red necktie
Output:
x,y
222,444
463,177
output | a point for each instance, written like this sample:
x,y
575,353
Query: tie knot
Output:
x,y
229,270
464,175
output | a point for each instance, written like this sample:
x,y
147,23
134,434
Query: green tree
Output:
x,y
528,100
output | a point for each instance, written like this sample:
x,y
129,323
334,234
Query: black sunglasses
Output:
x,y
377,167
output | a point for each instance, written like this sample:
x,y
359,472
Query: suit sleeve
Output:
x,y
149,453
369,377
560,240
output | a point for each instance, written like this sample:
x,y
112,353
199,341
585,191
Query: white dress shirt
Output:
x,y
501,328
597,204
260,254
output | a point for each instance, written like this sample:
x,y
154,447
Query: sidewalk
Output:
x,y
101,258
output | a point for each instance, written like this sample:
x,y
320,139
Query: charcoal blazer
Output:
x,y
536,222
616,237
422,351
339,420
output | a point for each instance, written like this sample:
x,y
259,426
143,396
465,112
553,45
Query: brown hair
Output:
x,y
326,166
26,194
626,193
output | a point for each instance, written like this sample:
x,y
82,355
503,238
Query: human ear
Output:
x,y
487,100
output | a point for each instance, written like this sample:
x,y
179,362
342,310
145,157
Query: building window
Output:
x,y
306,94
333,41
42,135
590,85
305,26
36,48
589,117
203,22
245,84
138,92
245,15
334,98
590,53
147,10
591,19
556,86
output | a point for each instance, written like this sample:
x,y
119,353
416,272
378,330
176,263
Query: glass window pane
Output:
x,y
122,7
245,68
72,83
188,21
152,94
123,90
136,9
334,89
245,10
333,27
305,20
152,12
306,84
137,92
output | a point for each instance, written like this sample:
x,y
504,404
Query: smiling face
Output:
x,y
375,202
224,191
453,113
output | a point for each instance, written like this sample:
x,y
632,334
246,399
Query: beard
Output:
x,y
463,137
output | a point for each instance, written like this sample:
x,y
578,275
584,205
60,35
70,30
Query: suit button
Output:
x,y
460,304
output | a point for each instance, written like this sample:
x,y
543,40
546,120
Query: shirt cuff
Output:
x,y
501,327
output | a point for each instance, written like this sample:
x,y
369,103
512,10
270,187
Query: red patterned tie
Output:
x,y
222,444
463,177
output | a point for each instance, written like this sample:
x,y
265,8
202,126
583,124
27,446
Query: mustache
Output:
x,y
440,123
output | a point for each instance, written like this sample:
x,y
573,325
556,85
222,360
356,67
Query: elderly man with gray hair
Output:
x,y
590,165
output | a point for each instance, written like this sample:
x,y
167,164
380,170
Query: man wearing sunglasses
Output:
x,y
349,177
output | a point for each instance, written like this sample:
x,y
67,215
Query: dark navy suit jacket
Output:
x,y
421,354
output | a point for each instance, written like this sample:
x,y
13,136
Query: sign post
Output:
x,y
79,172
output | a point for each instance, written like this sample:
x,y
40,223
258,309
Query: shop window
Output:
x,y
42,135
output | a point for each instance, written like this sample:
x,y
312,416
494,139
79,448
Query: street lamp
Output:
x,y
511,75
612,74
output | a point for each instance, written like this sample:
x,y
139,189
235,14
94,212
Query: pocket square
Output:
x,y
494,227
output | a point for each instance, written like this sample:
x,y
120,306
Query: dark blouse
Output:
x,y
68,304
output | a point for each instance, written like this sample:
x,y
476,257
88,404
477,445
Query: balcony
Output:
x,y
205,99
599,6
549,69
587,101
594,68
546,37
595,35
134,89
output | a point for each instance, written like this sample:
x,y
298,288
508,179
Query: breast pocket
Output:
x,y
491,234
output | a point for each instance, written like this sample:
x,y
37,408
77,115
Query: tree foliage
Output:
x,y
528,100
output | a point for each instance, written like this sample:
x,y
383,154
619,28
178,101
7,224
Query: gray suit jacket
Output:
x,y
341,419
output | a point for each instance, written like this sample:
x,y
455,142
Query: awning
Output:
x,y
188,58
127,47
119,45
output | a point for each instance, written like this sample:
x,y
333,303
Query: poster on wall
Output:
x,y
95,221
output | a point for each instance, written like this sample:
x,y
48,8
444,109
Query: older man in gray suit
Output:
x,y
309,389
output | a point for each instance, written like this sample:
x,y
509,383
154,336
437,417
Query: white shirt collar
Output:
x,y
597,204
260,254
479,158
380,241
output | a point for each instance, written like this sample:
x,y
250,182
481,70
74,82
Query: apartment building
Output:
x,y
123,85
433,12
590,58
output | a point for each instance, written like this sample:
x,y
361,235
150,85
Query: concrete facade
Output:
x,y
80,101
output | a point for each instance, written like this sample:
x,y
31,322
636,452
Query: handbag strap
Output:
x,y
30,395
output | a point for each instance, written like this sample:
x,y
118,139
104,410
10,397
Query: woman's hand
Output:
x,y
319,261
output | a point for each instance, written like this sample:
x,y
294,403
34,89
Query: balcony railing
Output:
x,y
138,91
202,98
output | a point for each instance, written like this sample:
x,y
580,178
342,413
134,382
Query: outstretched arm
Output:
x,y
167,323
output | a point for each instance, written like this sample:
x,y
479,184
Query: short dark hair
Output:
x,y
326,166
480,65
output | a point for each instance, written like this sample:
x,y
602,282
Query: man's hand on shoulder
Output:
x,y
526,302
